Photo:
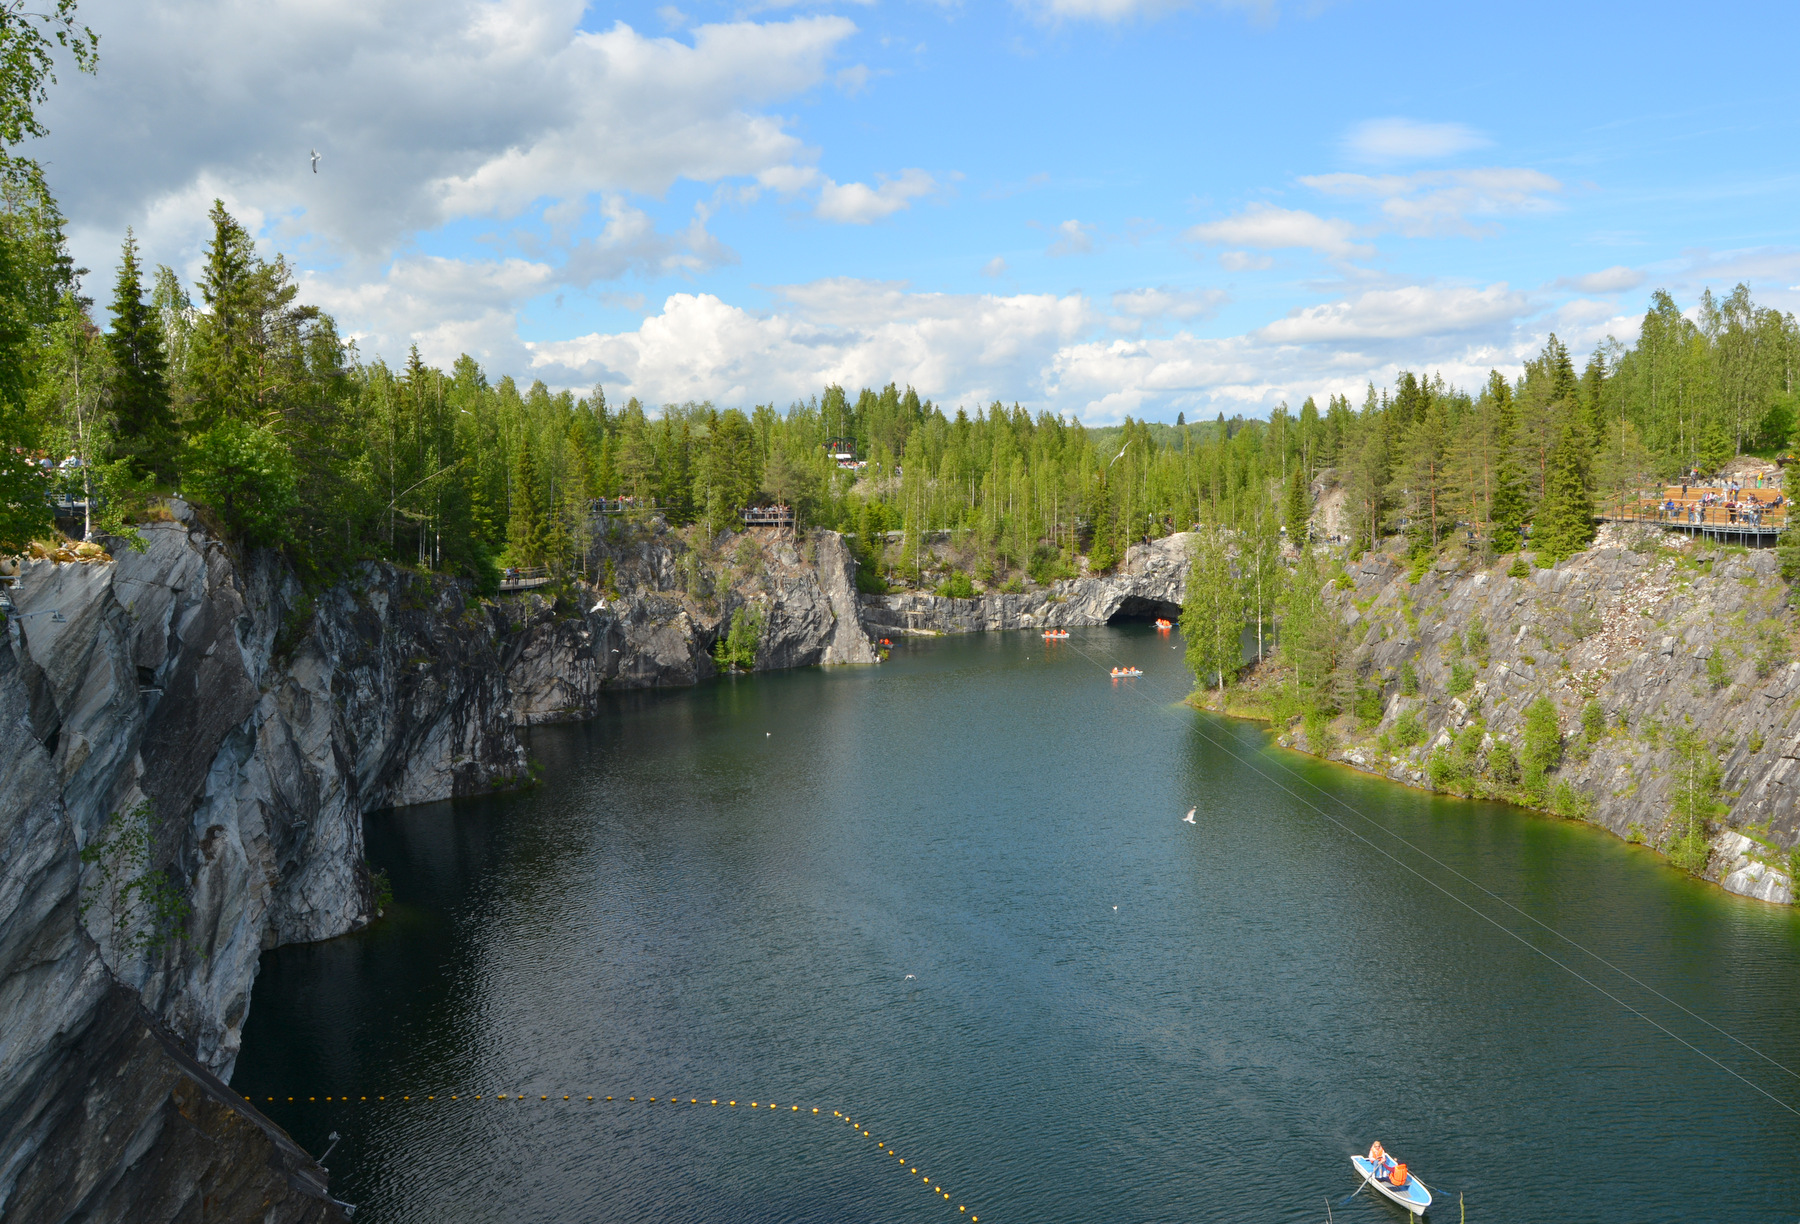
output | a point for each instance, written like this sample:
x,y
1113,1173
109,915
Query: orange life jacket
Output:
x,y
1398,1176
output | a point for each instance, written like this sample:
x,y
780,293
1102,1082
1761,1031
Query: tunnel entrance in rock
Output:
x,y
1138,608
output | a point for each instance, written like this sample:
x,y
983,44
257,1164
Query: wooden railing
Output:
x,y
768,516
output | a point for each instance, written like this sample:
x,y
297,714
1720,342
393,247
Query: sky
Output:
x,y
1090,207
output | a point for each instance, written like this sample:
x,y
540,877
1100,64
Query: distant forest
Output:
x,y
246,401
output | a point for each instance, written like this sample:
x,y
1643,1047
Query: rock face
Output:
x,y
1664,634
241,728
1152,582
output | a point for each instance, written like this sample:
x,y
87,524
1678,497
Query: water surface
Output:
x,y
953,898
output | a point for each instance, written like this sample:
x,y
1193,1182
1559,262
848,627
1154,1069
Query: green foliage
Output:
x,y
1694,800
245,473
145,434
1564,524
1520,568
1297,508
738,647
1462,679
1717,677
1543,747
1475,643
1421,565
1367,706
142,908
1409,728
1772,647
1570,803
1593,722
1213,613
1409,679
381,889
957,586
1319,740
1503,764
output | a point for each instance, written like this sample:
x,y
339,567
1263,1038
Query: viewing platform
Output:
x,y
515,579
1753,517
768,516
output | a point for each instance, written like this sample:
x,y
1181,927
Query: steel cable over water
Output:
x,y
1230,751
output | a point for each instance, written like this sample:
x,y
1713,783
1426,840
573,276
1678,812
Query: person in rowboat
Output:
x,y
1380,1159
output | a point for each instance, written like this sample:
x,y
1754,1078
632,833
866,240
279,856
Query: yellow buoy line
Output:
x,y
936,1189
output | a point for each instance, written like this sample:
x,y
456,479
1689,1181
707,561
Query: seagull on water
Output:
x,y
1189,818
909,977
315,161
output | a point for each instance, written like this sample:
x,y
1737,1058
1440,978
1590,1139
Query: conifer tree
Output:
x,y
1296,507
527,535
1564,524
1508,509
144,427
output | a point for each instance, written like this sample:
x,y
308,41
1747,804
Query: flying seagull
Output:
x,y
315,161
1121,454
1190,816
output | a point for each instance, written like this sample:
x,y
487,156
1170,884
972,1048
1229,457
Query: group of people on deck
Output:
x,y
1386,1167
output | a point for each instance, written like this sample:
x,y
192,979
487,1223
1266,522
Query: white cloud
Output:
x,y
1399,314
965,348
1434,202
1047,351
1616,279
1164,302
1244,261
1072,238
860,204
425,111
1266,228
1116,11
994,267
1396,140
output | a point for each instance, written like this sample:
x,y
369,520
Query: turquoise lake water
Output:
x,y
953,898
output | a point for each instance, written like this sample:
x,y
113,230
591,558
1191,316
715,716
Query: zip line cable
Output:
x,y
1228,750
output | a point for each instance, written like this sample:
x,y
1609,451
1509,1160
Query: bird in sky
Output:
x,y
1190,816
315,161
1121,454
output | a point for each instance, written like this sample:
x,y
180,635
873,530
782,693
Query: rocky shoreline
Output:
x,y
1659,635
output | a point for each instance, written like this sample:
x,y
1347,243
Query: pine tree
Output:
x,y
144,427
1297,508
1509,509
527,535
1564,524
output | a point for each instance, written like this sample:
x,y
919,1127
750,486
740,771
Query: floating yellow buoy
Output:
x,y
815,1111
731,1102
715,1102
566,1097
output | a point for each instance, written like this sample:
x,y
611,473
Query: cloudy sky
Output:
x,y
1097,207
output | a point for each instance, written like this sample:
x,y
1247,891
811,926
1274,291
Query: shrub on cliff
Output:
x,y
1543,743
1694,800
957,586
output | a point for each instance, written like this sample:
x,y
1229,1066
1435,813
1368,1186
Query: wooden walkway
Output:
x,y
525,579
1757,518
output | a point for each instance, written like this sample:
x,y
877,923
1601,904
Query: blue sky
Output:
x,y
1096,207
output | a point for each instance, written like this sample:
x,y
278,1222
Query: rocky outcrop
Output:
x,y
559,659
1152,582
1661,635
238,728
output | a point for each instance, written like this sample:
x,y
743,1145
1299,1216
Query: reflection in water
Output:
x,y
891,892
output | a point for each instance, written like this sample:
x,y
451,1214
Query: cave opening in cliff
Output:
x,y
1140,608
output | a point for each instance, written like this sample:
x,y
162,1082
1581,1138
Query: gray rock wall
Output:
x,y
1631,629
261,724
1151,582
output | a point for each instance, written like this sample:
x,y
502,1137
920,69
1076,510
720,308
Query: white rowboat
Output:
x,y
1413,1195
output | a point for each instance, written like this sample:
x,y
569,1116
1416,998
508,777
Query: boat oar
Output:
x,y
1355,1192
